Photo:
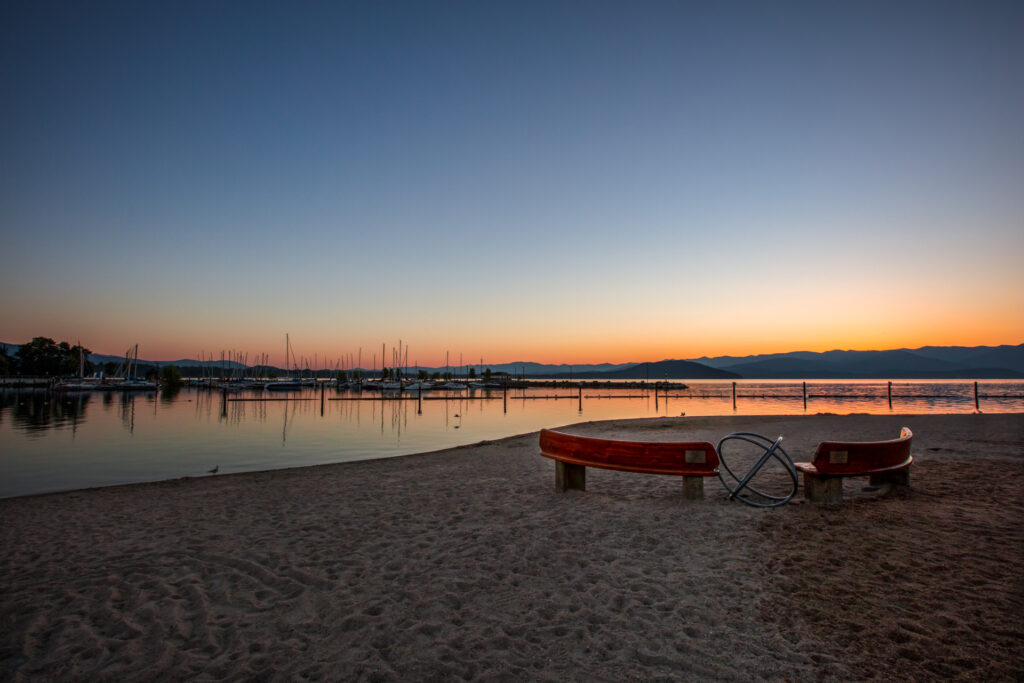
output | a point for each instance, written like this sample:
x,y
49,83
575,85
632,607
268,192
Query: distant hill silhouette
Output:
x,y
662,370
182,363
926,362
930,362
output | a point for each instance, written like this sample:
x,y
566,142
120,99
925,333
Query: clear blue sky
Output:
x,y
551,181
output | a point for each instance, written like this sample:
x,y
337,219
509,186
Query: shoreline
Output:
x,y
619,422
464,563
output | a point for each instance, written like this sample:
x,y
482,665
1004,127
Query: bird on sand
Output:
x,y
214,470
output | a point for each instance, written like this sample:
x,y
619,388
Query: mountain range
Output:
x,y
926,362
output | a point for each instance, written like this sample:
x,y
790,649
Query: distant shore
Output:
x,y
648,385
465,563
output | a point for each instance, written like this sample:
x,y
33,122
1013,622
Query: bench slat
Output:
x,y
857,458
884,461
651,457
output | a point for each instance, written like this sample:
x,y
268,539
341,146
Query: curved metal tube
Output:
x,y
772,449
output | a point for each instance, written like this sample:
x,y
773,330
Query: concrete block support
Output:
x,y
823,489
898,477
570,477
693,488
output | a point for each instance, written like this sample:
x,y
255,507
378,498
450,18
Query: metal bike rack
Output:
x,y
772,449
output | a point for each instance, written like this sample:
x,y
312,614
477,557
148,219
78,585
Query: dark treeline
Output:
x,y
43,357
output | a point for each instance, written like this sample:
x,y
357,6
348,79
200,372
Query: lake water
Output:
x,y
50,442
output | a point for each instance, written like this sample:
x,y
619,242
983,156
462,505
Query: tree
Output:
x,y
342,376
6,362
472,373
436,376
487,375
170,375
73,356
422,375
41,356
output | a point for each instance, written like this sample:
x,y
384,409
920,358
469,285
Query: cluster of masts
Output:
x,y
124,378
235,374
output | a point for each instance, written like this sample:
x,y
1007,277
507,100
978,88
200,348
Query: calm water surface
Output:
x,y
53,443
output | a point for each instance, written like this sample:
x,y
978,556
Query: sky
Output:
x,y
576,182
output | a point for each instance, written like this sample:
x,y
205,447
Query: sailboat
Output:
x,y
79,383
286,383
450,385
134,383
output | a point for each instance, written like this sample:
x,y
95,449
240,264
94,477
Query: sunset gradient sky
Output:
x,y
553,181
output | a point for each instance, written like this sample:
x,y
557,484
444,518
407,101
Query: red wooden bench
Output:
x,y
882,461
692,460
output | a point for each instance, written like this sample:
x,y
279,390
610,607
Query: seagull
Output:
x,y
214,470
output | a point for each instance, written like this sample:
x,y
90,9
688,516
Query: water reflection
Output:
x,y
55,442
168,394
38,410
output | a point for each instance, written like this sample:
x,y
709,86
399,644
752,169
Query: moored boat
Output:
x,y
133,384
80,383
287,384
76,384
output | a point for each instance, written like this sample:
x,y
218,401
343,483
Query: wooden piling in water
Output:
x,y
805,395
976,407
734,395
890,393
323,389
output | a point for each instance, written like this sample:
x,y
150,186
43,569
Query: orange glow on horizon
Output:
x,y
567,356
623,338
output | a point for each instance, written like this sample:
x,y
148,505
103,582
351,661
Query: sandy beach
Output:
x,y
466,564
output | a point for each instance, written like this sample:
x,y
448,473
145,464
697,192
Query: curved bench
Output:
x,y
692,460
885,462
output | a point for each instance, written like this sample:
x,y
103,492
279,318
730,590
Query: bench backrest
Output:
x,y
841,457
654,457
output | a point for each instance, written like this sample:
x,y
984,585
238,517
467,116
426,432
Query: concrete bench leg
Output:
x,y
693,488
823,489
569,476
898,477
